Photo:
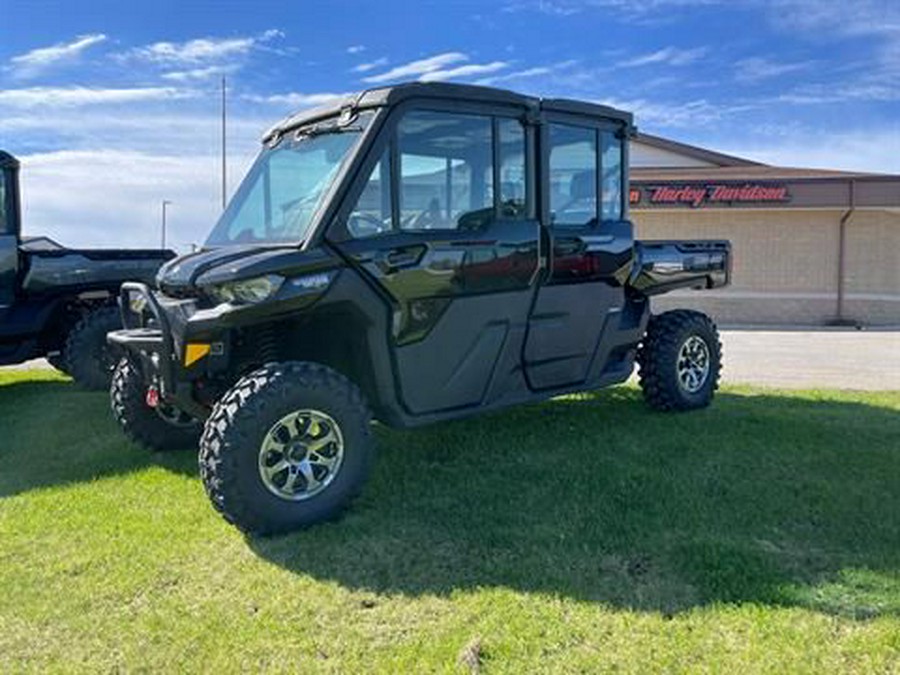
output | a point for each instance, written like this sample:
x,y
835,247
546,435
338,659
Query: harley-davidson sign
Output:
x,y
698,195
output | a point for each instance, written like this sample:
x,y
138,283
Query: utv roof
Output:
x,y
385,96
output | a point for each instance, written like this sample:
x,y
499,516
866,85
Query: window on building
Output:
x,y
573,175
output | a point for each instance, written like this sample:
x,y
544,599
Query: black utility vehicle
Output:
x,y
59,302
417,253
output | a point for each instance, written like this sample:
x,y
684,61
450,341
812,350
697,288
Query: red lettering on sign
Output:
x,y
696,196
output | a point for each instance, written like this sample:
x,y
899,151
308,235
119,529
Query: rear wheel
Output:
x,y
680,359
58,362
86,355
158,428
288,446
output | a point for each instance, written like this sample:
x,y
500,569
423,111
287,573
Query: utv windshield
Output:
x,y
284,188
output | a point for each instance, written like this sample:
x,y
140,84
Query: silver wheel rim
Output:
x,y
693,364
301,455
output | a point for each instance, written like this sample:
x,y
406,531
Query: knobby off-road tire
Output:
x,y
86,355
679,360
267,461
158,429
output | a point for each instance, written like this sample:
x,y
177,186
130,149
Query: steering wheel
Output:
x,y
430,217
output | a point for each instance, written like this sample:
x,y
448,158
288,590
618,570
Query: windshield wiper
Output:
x,y
322,130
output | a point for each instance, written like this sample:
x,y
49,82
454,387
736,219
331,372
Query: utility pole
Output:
x,y
224,169
165,203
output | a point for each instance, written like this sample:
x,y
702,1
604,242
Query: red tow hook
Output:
x,y
152,398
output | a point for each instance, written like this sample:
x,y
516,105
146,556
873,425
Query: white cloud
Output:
x,y
201,50
143,129
463,71
198,74
864,90
356,49
826,17
876,150
37,60
296,99
639,11
370,65
112,198
755,68
874,74
32,97
418,68
671,56
692,114
517,75
527,73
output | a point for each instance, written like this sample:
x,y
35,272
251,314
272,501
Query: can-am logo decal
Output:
x,y
696,196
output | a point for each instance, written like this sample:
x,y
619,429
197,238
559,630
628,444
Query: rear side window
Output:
x,y
3,205
573,176
611,163
512,149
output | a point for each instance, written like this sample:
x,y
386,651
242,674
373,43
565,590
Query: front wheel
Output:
x,y
288,446
679,360
158,428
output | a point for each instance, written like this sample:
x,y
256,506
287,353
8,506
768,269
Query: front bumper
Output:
x,y
156,336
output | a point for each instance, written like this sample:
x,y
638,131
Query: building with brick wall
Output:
x,y
809,246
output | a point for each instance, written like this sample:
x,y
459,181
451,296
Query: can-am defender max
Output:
x,y
414,253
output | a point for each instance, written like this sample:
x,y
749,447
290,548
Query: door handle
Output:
x,y
398,258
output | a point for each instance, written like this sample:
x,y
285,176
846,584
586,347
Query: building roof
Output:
x,y
758,172
693,151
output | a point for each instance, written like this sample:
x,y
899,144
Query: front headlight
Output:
x,y
247,291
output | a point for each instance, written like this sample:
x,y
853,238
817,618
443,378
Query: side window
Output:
x,y
372,215
511,137
611,164
446,171
573,175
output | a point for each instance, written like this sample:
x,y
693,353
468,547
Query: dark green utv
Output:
x,y
414,253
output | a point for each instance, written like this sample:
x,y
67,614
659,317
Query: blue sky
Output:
x,y
113,106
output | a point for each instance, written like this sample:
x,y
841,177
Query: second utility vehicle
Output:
x,y
417,253
58,302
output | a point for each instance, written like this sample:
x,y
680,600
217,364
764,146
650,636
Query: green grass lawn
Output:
x,y
583,534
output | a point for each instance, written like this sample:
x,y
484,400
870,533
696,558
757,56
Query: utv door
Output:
x,y
9,230
588,247
443,222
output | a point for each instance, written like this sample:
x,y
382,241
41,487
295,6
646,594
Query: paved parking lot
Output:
x,y
842,359
837,359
